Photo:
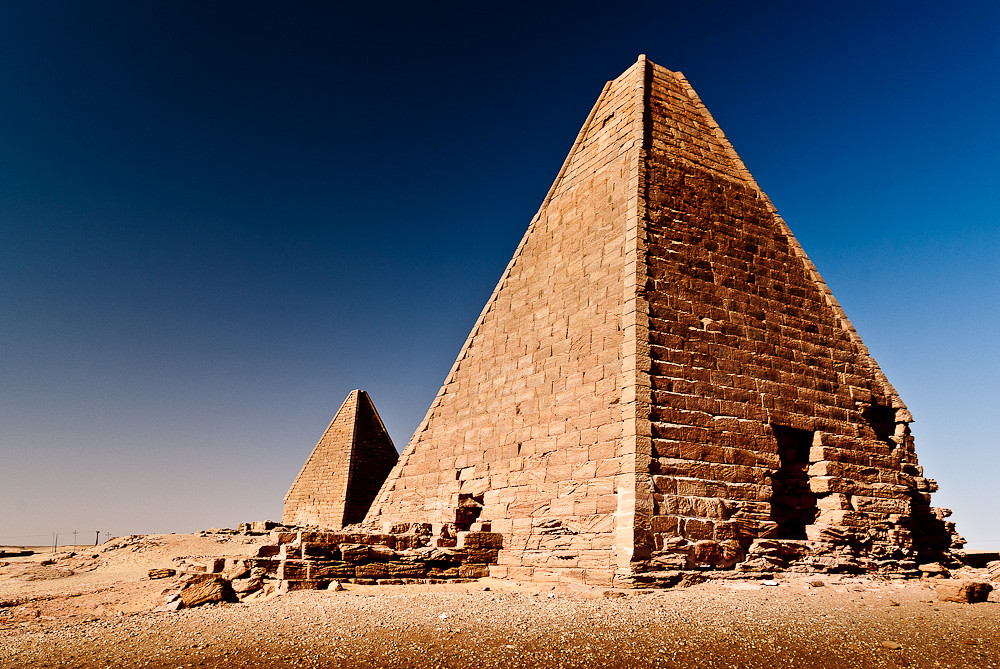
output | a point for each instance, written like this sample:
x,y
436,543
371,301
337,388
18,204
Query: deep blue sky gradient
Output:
x,y
216,219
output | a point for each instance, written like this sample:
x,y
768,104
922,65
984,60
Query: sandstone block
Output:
x,y
705,552
283,536
881,505
237,568
833,502
245,586
373,570
262,526
293,570
207,589
845,518
480,540
161,573
482,555
330,570
318,551
355,553
267,565
498,571
474,571
964,592
407,569
302,584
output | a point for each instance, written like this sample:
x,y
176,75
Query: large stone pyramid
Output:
x,y
345,470
661,377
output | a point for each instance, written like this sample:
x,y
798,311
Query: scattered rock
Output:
x,y
933,570
244,586
173,603
964,592
207,589
891,645
161,573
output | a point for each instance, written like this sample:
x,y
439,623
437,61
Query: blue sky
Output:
x,y
217,219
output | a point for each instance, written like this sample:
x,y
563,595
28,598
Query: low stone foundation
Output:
x,y
313,559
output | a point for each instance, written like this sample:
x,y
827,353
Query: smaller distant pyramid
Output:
x,y
346,469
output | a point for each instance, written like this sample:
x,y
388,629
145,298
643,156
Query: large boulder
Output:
x,y
964,592
210,588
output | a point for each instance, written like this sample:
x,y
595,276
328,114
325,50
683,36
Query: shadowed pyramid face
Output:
x,y
659,365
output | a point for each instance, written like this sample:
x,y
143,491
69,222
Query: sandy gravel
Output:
x,y
848,622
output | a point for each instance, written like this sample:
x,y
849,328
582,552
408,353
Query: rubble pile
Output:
x,y
315,559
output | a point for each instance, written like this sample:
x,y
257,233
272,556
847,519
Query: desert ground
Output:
x,y
95,609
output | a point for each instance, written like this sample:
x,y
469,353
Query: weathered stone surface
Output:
x,y
236,568
373,570
933,569
173,603
483,540
331,570
161,573
318,551
964,592
407,569
303,584
293,570
354,552
474,571
381,553
244,586
206,589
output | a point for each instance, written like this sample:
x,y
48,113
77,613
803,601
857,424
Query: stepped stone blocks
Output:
x,y
662,380
345,470
312,560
